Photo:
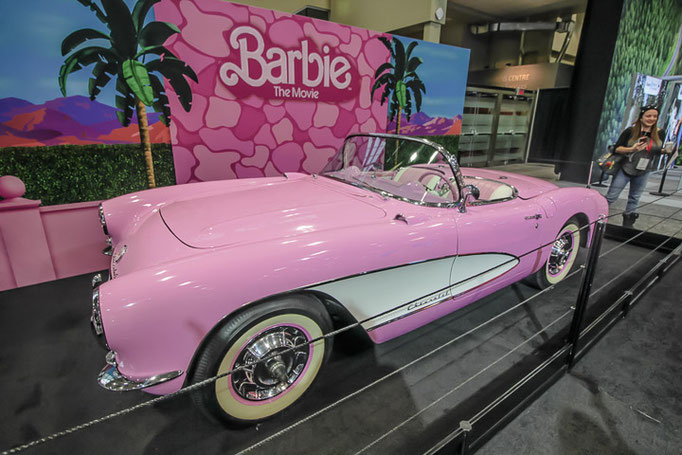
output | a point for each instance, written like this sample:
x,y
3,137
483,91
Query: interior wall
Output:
x,y
385,15
457,33
371,14
287,6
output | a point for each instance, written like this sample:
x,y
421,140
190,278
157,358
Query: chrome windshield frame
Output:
x,y
514,190
449,157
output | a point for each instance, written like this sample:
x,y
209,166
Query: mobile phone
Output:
x,y
643,139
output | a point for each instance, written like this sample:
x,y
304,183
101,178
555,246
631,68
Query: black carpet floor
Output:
x,y
398,397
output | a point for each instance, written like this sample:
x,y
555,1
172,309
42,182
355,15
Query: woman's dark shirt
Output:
x,y
631,160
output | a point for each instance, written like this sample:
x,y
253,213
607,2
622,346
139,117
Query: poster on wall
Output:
x,y
279,93
231,91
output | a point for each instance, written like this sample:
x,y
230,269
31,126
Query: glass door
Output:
x,y
512,128
477,127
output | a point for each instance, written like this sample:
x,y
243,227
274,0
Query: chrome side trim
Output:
x,y
102,220
96,315
112,379
420,309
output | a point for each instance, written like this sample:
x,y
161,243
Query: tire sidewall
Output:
x,y
225,344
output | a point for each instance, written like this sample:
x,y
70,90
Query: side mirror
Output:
x,y
471,193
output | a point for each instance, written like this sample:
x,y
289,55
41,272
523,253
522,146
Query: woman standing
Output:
x,y
639,144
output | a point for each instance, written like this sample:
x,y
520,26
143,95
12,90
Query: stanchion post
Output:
x,y
585,288
589,176
626,302
466,428
660,187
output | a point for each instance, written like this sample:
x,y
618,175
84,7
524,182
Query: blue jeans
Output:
x,y
637,185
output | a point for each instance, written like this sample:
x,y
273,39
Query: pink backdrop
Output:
x,y
248,131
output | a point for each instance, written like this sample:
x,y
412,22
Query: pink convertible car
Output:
x,y
243,278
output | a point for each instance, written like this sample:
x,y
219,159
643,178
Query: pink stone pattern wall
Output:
x,y
229,136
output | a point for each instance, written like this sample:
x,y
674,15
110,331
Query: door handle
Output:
x,y
537,216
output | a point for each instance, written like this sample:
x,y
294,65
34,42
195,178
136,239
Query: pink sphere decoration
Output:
x,y
11,187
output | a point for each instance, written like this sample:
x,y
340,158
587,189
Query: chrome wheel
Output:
x,y
286,352
266,357
561,258
561,252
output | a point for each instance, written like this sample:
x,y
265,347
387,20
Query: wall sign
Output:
x,y
302,72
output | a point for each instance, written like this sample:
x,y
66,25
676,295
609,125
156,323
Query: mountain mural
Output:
x,y
70,120
422,124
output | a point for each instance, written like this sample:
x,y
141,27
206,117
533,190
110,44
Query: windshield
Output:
x,y
405,168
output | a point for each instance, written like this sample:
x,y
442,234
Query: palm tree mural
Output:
x,y
402,86
129,43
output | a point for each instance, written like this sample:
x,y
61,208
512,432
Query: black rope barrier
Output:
x,y
573,348
641,233
462,384
646,203
636,262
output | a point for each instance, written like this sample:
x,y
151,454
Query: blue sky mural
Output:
x,y
444,72
32,32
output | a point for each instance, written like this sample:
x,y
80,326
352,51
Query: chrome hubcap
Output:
x,y
561,251
286,351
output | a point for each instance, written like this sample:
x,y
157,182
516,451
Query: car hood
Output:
x,y
527,187
260,212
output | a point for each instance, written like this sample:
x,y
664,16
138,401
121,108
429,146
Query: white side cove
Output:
x,y
414,287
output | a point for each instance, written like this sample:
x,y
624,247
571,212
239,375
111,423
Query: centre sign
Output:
x,y
259,67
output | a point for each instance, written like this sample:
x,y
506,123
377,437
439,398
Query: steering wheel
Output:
x,y
441,177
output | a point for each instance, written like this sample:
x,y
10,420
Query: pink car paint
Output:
x,y
196,253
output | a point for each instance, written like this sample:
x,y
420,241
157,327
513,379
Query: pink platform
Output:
x,y
40,244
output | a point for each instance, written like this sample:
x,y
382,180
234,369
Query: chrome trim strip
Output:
x,y
321,283
418,310
96,315
111,379
445,299
118,255
102,220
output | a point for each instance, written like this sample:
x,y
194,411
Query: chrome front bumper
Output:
x,y
112,379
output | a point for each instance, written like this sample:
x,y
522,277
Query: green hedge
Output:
x,y
77,173
450,142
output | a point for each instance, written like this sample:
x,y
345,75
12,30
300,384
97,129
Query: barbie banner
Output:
x,y
278,92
